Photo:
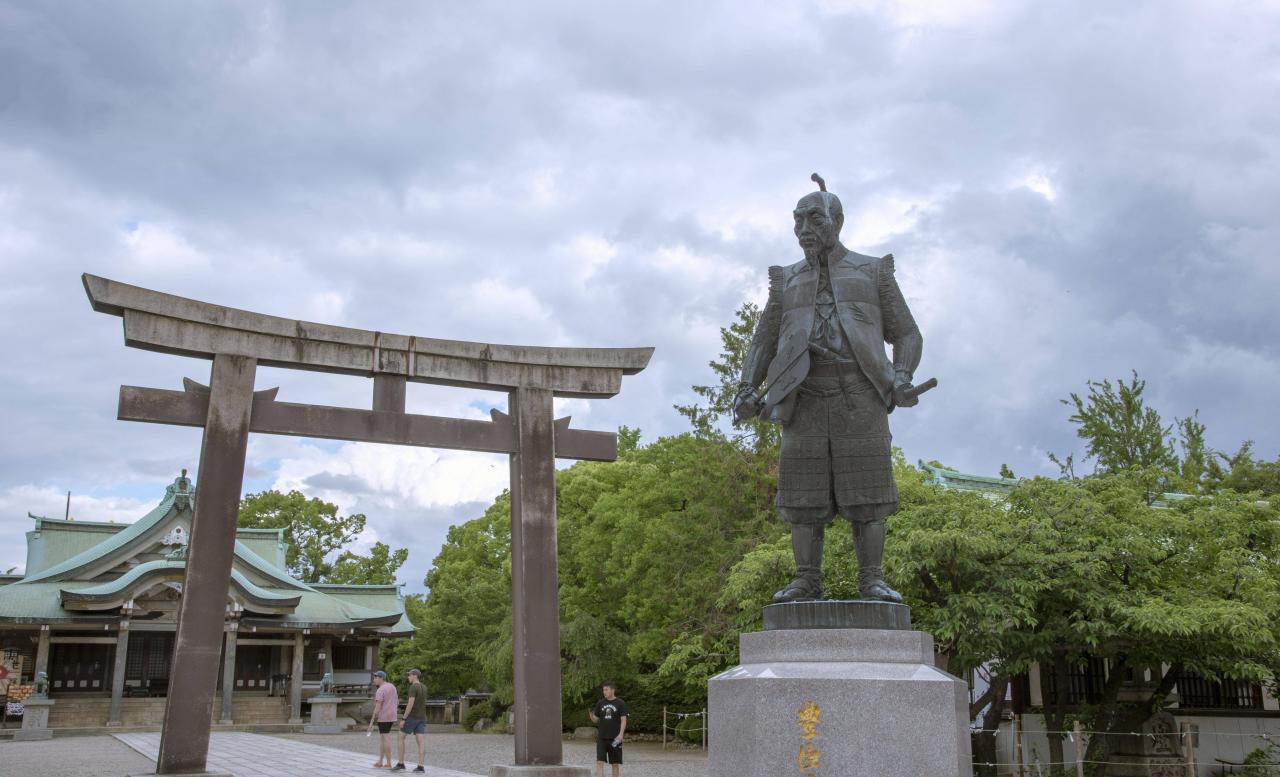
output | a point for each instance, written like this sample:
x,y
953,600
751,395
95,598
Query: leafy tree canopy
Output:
x,y
314,531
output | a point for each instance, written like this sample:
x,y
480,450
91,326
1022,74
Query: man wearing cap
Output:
x,y
415,721
385,703
817,366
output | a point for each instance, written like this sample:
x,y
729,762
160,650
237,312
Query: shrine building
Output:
x,y
96,610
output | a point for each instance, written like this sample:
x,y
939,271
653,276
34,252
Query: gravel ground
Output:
x,y
475,753
71,757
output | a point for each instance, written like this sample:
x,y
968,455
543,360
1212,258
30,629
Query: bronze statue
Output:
x,y
817,366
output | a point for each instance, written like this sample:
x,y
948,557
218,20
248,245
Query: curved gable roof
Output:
x,y
178,495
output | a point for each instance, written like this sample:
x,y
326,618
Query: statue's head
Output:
x,y
819,217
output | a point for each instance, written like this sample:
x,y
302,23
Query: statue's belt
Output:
x,y
835,368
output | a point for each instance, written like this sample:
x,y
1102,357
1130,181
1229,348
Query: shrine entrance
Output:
x,y
81,667
253,668
229,409
147,664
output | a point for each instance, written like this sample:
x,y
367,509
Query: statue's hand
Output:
x,y
901,398
746,404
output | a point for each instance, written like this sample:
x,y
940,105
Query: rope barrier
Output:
x,y
1027,732
680,716
1054,763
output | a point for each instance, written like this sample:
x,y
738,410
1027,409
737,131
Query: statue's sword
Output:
x,y
916,391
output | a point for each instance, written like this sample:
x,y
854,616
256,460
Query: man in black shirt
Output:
x,y
610,716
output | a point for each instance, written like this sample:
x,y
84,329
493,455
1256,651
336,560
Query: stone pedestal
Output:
x,y
35,720
835,701
1157,753
324,716
539,771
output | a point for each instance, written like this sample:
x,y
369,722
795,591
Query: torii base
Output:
x,y
539,771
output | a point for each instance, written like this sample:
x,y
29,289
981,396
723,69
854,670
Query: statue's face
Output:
x,y
815,228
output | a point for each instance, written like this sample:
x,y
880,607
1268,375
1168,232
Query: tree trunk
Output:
x,y
1055,711
1118,719
985,751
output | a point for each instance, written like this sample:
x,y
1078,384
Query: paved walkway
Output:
x,y
255,755
475,753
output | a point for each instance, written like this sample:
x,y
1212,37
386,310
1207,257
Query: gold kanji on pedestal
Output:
x,y
809,758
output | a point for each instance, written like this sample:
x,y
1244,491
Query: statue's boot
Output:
x,y
806,546
868,542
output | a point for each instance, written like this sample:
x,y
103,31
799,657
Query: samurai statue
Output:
x,y
817,365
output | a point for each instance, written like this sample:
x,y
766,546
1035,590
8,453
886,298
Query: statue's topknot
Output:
x,y
822,185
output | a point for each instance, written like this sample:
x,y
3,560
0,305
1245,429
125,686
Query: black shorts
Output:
x,y
385,727
608,752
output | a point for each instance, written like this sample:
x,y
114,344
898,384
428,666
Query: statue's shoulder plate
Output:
x,y
792,270
884,276
777,279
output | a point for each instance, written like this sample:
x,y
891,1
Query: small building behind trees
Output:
x,y
96,609
1229,717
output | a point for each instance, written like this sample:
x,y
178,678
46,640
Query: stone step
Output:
x,y
72,713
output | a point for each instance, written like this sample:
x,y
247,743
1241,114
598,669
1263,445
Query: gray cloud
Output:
x,y
328,481
1070,194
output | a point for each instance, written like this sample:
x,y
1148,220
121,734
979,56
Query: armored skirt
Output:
x,y
836,453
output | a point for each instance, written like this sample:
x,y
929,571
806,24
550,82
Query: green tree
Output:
x,y
1071,570
644,545
465,617
628,440
377,568
1119,429
1242,472
1122,433
710,418
1194,465
313,532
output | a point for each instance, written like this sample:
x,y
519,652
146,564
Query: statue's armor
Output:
x,y
830,383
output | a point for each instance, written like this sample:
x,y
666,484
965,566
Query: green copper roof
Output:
x,y
997,486
262,566
52,541
318,610
40,603
965,482
177,495
79,586
267,543
115,592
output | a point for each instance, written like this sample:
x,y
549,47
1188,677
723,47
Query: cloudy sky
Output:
x,y
1072,190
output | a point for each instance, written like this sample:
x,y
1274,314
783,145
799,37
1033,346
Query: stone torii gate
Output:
x,y
229,409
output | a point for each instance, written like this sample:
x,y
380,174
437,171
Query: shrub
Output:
x,y
475,712
1263,762
689,729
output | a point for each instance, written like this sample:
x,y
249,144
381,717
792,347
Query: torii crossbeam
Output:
x,y
228,409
